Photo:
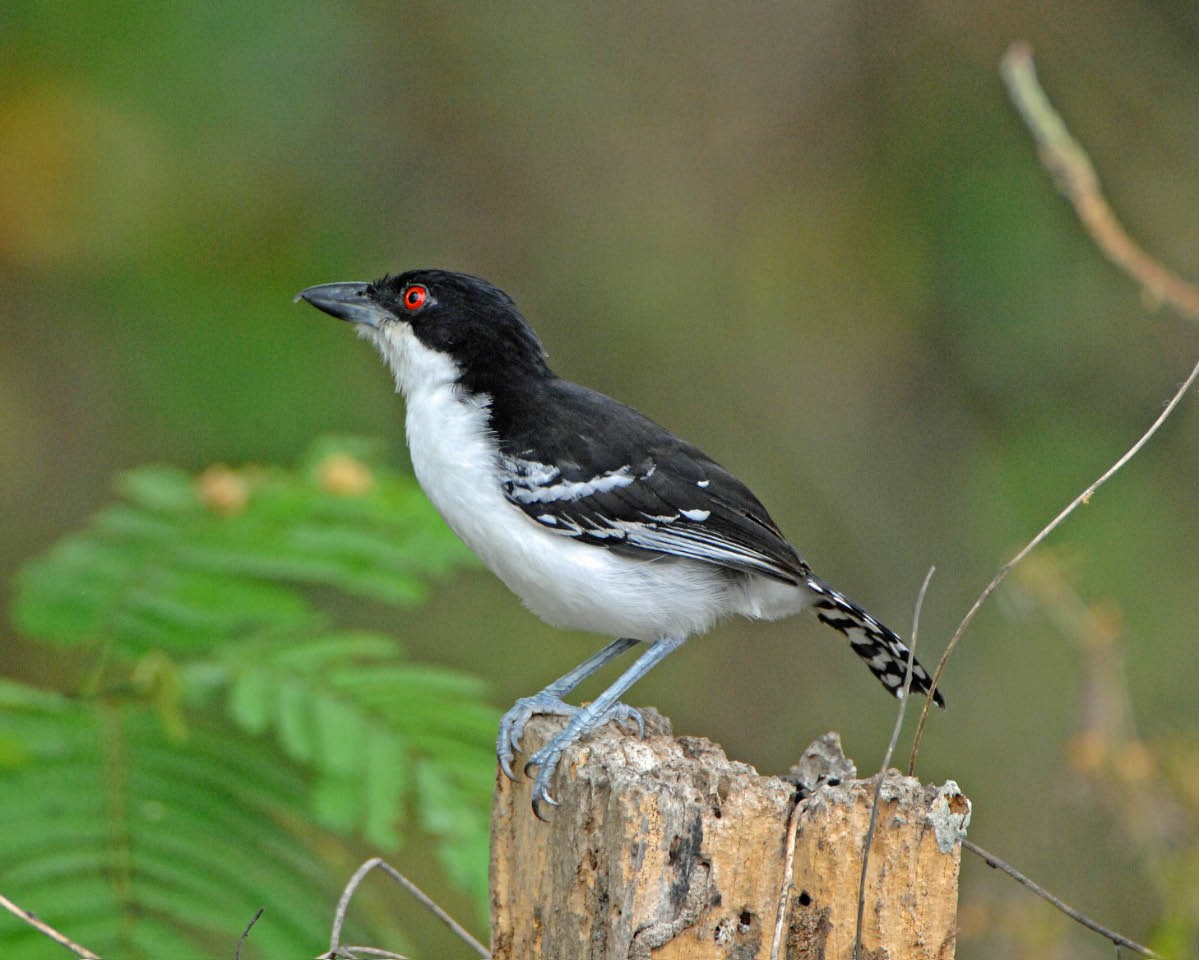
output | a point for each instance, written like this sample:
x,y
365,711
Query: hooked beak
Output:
x,y
346,301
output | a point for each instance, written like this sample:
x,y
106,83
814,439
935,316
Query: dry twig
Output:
x,y
31,918
878,787
1118,939
788,876
1084,497
337,951
246,933
1064,157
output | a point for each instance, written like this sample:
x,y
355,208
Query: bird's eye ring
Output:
x,y
415,297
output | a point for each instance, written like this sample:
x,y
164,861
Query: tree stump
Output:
x,y
666,849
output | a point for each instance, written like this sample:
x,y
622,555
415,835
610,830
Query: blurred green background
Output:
x,y
812,237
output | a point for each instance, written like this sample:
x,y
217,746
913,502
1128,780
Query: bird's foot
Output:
x,y
512,724
582,722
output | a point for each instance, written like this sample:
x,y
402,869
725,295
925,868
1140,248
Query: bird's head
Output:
x,y
435,326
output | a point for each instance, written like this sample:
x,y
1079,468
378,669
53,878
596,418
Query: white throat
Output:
x,y
449,440
416,368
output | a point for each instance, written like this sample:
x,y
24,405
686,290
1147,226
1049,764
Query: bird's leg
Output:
x,y
549,701
587,718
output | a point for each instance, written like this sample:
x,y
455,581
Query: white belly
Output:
x,y
567,583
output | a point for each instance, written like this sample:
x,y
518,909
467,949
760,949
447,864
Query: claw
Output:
x,y
620,713
507,743
546,761
539,798
512,725
541,785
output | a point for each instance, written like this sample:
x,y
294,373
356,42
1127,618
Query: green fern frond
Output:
x,y
152,817
342,705
141,847
184,563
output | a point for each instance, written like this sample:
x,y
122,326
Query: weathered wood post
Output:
x,y
666,849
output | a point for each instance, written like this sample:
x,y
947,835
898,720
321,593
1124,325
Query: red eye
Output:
x,y
415,297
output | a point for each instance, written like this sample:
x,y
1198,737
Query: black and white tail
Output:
x,y
885,654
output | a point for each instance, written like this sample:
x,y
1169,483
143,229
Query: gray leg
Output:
x,y
549,701
589,717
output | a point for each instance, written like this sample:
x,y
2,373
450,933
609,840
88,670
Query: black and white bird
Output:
x,y
594,515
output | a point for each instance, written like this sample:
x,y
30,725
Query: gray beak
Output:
x,y
346,301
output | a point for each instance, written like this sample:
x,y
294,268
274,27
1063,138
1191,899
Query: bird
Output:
x,y
594,515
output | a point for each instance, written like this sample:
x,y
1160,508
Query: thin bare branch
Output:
x,y
30,918
878,786
788,878
423,898
1067,161
1084,497
245,933
1118,939
348,952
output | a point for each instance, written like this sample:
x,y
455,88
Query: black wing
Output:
x,y
585,466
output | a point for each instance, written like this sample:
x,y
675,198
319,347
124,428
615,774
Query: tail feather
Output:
x,y
885,654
